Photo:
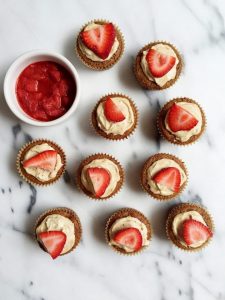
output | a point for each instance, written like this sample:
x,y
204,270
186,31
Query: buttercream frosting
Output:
x,y
115,128
157,166
177,226
112,169
164,49
41,174
89,53
185,135
128,222
56,222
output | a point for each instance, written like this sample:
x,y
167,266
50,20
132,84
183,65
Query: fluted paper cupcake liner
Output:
x,y
121,213
146,166
101,65
141,77
161,117
89,159
110,136
183,207
30,178
68,213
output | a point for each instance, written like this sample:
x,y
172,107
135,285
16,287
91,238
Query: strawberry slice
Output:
x,y
100,40
159,64
169,177
180,119
129,237
53,242
194,232
100,179
45,160
112,112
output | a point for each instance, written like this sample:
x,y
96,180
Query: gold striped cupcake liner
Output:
x,y
28,177
99,65
179,208
89,159
147,164
116,137
68,213
123,212
169,83
204,121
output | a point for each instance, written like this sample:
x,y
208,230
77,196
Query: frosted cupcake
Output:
x,y
164,176
99,44
115,117
181,121
41,162
128,231
58,231
189,226
100,176
158,66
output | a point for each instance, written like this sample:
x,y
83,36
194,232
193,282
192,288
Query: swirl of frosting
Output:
x,y
164,49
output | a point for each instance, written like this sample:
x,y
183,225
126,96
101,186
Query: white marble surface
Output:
x,y
94,271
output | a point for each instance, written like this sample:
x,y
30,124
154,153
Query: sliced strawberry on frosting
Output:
x,y
180,119
45,160
112,112
100,39
100,179
159,64
53,242
169,177
129,237
195,232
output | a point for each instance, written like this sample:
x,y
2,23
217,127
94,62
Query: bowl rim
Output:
x,y
31,54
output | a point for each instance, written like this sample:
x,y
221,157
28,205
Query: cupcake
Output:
x,y
58,231
189,226
158,66
115,117
164,176
41,162
100,176
99,44
128,231
181,121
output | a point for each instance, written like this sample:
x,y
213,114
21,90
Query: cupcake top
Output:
x,y
159,63
189,226
98,41
184,222
164,176
42,161
100,177
115,115
129,234
184,120
54,225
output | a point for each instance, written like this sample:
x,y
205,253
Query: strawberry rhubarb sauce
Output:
x,y
45,90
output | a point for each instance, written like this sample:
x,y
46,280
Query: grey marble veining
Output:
x,y
93,271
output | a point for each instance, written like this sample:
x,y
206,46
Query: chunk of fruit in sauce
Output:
x,y
45,90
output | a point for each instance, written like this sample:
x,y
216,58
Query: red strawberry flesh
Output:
x,y
99,179
53,242
159,64
195,232
112,112
129,237
169,177
180,119
45,160
100,39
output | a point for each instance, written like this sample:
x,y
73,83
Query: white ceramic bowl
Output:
x,y
18,66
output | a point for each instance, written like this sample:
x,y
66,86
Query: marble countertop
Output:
x,y
94,271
